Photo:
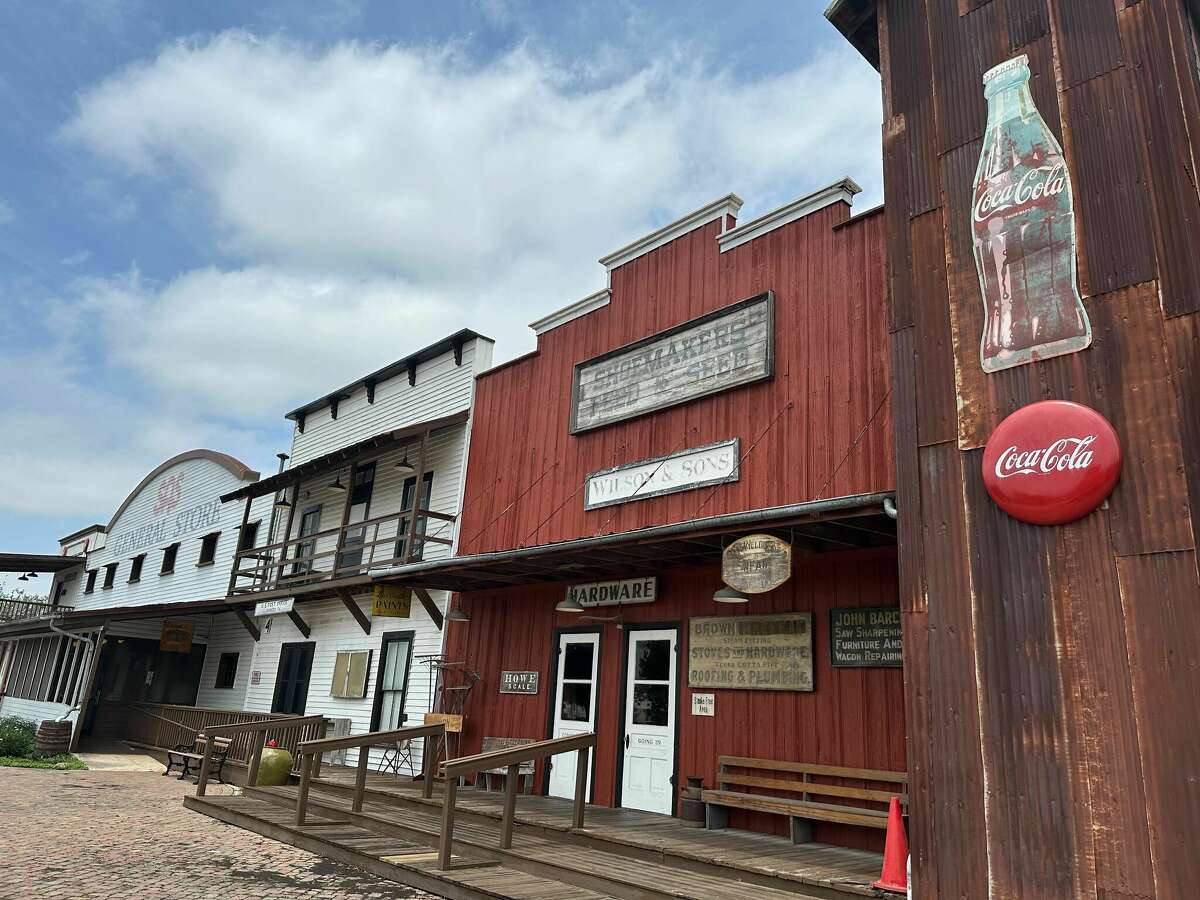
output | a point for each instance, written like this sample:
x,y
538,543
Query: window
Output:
x,y
135,571
110,575
406,505
168,563
350,670
226,670
208,549
91,581
392,681
310,523
248,537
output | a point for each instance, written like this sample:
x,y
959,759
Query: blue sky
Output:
x,y
211,212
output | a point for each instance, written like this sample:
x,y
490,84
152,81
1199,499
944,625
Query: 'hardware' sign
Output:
x,y
615,593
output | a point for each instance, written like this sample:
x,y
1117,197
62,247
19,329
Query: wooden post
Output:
x,y
429,765
410,538
341,538
581,771
237,548
322,726
260,741
302,796
287,533
205,762
511,778
447,838
360,779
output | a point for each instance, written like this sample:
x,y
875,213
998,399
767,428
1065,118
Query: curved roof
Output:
x,y
235,467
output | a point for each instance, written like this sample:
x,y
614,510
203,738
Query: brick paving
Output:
x,y
108,835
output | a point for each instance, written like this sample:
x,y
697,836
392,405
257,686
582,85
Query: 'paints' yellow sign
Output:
x,y
389,600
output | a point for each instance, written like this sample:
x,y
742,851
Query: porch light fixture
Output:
x,y
282,503
33,575
569,605
404,467
336,484
457,615
730,595
23,578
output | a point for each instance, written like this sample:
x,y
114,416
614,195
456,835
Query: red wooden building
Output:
x,y
732,379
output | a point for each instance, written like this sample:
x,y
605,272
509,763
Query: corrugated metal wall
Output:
x,y
854,717
821,426
1052,672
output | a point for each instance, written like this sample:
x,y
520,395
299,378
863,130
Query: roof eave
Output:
x,y
857,20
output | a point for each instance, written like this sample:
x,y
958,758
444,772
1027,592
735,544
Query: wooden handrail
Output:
x,y
511,759
258,724
307,750
259,727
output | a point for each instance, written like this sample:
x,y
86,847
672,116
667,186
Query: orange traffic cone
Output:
x,y
895,853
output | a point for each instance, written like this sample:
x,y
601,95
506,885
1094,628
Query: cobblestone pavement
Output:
x,y
93,834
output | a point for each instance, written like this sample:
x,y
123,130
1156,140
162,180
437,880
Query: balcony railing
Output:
x,y
311,560
23,610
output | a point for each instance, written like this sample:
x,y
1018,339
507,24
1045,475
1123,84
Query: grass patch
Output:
x,y
62,761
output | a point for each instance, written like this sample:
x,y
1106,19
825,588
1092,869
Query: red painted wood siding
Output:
x,y
822,425
854,717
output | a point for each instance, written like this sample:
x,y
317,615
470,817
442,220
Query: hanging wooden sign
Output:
x,y
715,352
391,601
757,653
176,636
756,563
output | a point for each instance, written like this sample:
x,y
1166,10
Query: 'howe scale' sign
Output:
x,y
721,350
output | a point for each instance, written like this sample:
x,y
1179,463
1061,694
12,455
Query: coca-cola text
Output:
x,y
1060,456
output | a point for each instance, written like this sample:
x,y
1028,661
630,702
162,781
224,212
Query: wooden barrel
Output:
x,y
52,738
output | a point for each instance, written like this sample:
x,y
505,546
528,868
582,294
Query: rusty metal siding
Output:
x,y
1028,20
821,427
936,416
962,46
1116,238
1146,30
1087,31
854,717
899,241
910,76
1183,346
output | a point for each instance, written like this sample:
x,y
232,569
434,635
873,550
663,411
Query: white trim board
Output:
x,y
729,205
843,190
579,308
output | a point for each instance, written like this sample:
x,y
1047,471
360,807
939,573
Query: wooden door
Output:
x,y
575,692
648,766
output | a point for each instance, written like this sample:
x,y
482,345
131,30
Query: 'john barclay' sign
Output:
x,y
724,349
714,464
865,637
614,593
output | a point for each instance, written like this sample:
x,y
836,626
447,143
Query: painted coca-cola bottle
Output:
x,y
1024,229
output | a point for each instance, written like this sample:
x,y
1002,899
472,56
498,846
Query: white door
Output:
x,y
650,721
575,710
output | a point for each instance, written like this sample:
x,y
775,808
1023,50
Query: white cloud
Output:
x,y
7,214
76,259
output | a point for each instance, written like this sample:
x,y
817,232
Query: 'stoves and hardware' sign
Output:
x,y
683,471
724,349
615,593
865,637
763,653
1052,462
756,563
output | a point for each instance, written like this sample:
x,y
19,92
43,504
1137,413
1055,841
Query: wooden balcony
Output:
x,y
26,610
324,559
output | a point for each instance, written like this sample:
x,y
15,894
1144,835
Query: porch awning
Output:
x,y
841,523
337,459
37,562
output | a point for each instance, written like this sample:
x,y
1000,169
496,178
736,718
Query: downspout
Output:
x,y
889,507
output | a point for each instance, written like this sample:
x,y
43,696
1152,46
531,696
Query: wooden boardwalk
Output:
x,y
619,853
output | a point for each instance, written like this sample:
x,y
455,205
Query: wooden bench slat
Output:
x,y
746,762
811,787
797,808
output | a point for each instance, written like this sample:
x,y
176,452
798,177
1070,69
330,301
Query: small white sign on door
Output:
x,y
704,704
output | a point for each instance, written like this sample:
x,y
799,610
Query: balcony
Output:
x,y
316,561
29,610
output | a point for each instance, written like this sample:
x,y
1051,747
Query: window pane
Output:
x,y
576,702
390,714
578,662
650,704
653,661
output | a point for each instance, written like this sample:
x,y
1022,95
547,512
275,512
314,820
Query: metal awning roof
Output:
x,y
343,455
841,523
37,562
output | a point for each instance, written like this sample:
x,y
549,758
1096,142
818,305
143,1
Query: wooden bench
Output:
x,y
756,785
491,744
188,757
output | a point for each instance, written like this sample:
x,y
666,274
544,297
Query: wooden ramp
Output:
x,y
620,853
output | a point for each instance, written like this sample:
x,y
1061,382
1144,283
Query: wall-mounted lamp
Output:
x,y
404,467
729,595
570,605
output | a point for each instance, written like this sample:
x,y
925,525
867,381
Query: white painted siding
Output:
x,y
198,512
442,389
226,635
35,710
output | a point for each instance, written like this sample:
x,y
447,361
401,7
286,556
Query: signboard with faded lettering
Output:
x,y
756,563
274,607
683,471
391,600
704,705
715,352
757,653
453,723
614,593
865,637
176,635
518,682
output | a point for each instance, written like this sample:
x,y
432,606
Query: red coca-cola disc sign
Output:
x,y
1052,462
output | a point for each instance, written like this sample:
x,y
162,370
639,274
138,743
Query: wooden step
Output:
x,y
607,871
818,870
404,862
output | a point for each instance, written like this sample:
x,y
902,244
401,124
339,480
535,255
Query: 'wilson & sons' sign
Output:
x,y
714,464
718,351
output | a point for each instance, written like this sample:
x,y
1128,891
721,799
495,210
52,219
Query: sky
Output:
x,y
213,212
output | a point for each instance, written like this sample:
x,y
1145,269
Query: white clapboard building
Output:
x,y
136,608
375,478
